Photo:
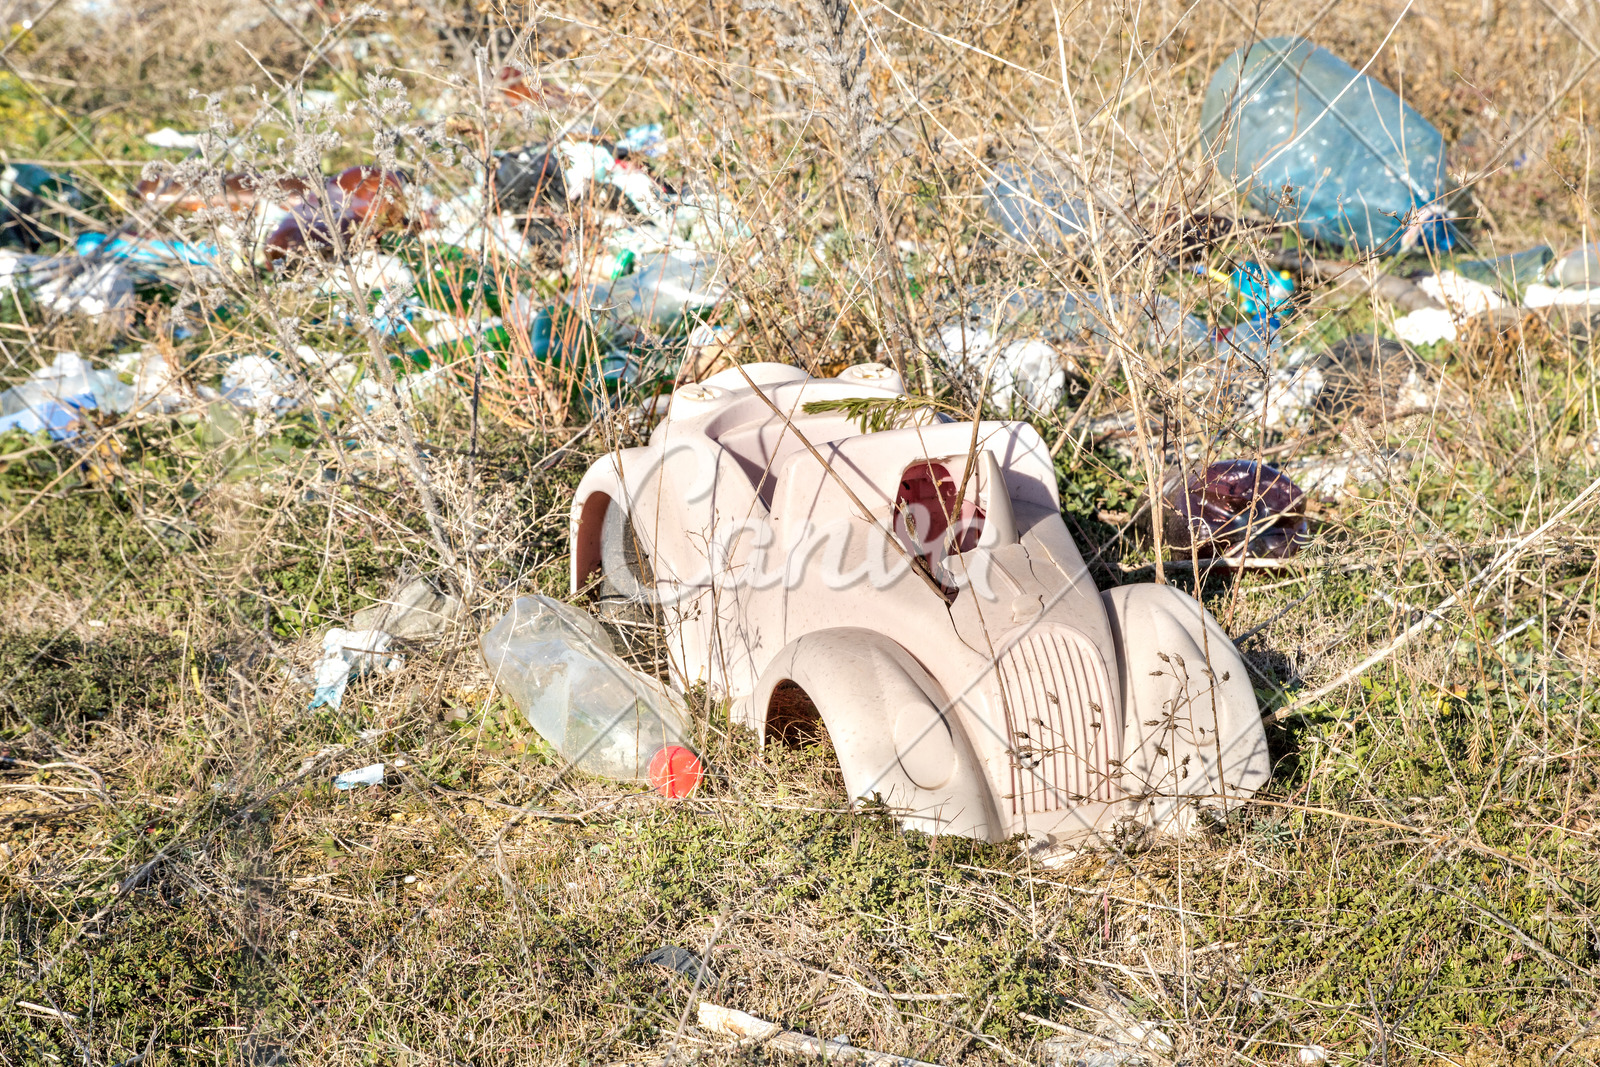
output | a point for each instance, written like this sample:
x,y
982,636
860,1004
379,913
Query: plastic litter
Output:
x,y
559,667
1311,1055
358,200
372,774
237,192
151,251
1459,298
70,285
1158,323
416,610
56,396
1510,271
1460,294
1026,375
1426,326
1065,1051
461,221
1259,290
1260,340
32,200
683,962
167,137
675,772
556,333
1236,509
83,287
1286,396
1147,1035
1543,296
260,384
1579,268
587,165
644,527
348,654
664,290
1035,207
646,140
1310,140
730,1022
529,176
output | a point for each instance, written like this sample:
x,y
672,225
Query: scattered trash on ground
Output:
x,y
1259,290
682,962
1311,141
1022,376
1037,208
36,205
731,1023
1236,509
1353,279
357,202
372,774
1426,326
1508,272
416,610
661,290
559,666
167,137
61,397
1370,377
348,654
675,772
1066,1051
69,285
1579,268
1457,300
57,397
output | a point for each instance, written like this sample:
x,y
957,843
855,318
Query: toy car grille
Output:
x,y
1064,751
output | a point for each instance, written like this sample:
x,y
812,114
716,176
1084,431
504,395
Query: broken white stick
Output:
x,y
728,1022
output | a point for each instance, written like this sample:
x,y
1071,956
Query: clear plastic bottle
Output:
x,y
662,290
1309,139
559,667
1035,207
1510,272
1579,269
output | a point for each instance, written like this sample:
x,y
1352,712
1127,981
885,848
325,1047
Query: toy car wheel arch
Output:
x,y
913,755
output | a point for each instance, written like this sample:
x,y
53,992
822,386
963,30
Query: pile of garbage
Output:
x,y
1385,222
568,261
566,274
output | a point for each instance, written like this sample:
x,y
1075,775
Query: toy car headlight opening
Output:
x,y
929,519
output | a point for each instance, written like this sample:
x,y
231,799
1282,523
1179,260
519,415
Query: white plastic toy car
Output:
x,y
915,593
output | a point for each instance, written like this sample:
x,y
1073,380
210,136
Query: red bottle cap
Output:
x,y
675,771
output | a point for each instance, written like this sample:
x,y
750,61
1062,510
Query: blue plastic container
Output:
x,y
1311,141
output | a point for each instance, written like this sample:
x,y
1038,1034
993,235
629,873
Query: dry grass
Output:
x,y
179,882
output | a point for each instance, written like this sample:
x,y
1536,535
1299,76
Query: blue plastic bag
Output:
x,y
1310,140
148,250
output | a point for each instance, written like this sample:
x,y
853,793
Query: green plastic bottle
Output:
x,y
448,281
